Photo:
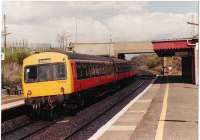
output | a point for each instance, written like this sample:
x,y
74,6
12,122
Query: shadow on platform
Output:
x,y
173,79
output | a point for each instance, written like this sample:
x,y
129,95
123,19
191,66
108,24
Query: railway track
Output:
x,y
26,129
72,125
104,112
13,113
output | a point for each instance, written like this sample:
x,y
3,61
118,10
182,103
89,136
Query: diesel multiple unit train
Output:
x,y
59,78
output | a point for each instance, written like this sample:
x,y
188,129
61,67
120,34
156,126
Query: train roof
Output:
x,y
87,57
72,55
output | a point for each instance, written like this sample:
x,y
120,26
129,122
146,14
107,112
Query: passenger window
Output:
x,y
88,70
96,68
109,68
84,71
78,70
93,70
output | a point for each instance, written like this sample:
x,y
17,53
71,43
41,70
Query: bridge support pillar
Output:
x,y
188,68
196,65
164,65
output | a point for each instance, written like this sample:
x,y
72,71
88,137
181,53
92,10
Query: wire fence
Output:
x,y
23,45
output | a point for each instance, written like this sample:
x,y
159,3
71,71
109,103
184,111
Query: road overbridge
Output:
x,y
186,48
116,49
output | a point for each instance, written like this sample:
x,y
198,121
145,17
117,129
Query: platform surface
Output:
x,y
11,101
166,111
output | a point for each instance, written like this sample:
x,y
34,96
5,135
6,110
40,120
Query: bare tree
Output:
x,y
63,39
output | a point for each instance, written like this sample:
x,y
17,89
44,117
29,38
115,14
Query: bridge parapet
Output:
x,y
114,48
105,49
132,48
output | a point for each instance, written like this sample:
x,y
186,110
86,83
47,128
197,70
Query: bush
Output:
x,y
11,66
147,62
154,62
11,73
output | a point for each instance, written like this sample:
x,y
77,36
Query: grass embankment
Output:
x,y
153,64
11,66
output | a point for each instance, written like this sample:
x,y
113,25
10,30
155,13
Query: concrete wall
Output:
x,y
94,48
113,49
133,47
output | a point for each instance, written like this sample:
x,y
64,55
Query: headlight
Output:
x,y
62,90
29,92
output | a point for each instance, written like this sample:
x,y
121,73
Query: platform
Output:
x,y
11,101
165,110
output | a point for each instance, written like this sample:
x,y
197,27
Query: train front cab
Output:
x,y
46,77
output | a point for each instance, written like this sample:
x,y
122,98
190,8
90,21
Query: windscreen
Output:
x,y
45,72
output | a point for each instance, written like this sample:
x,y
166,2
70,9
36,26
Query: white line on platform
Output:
x,y
105,127
12,105
136,111
122,128
144,101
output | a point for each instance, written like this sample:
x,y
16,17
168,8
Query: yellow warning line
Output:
x,y
160,128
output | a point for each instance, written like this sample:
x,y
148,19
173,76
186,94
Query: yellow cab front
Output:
x,y
46,74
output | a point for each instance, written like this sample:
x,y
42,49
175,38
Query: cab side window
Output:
x,y
31,74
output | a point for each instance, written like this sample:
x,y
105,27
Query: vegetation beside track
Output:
x,y
148,63
153,64
11,65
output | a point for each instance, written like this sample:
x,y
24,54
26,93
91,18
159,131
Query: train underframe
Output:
x,y
46,107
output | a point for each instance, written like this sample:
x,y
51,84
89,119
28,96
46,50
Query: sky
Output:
x,y
41,22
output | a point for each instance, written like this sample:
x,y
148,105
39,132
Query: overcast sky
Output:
x,y
99,21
